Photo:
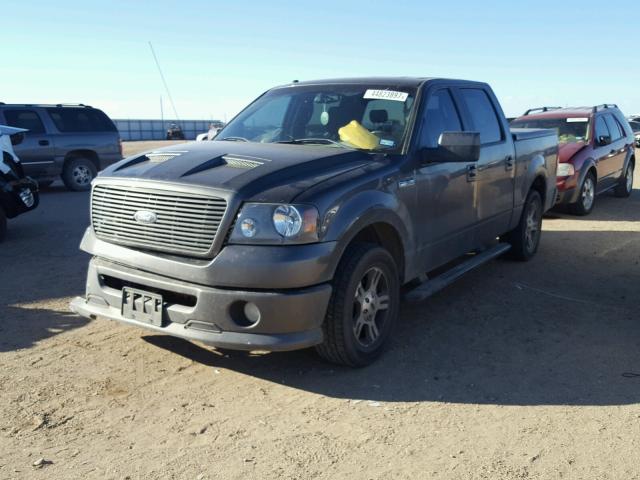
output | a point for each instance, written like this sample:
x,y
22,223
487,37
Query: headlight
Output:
x,y
565,170
287,220
273,224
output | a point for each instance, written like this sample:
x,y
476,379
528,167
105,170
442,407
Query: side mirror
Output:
x,y
454,147
17,138
604,140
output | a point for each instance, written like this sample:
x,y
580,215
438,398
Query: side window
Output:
x,y
483,115
614,128
24,119
440,115
601,129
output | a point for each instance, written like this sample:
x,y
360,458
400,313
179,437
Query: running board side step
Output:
x,y
436,284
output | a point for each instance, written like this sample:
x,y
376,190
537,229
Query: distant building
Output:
x,y
142,129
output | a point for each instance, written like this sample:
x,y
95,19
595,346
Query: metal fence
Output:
x,y
138,129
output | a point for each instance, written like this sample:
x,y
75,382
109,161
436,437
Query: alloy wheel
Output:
x,y
82,175
370,307
532,229
588,193
629,177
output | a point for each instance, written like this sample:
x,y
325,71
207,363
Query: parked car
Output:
x,y
73,142
635,128
596,152
299,223
174,132
18,193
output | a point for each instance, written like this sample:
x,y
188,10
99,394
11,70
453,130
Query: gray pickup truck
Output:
x,y
299,224
70,141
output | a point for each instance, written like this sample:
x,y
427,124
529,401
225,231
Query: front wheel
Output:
x,y
364,307
525,238
586,198
625,187
78,174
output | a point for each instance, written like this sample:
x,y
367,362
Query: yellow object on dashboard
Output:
x,y
358,136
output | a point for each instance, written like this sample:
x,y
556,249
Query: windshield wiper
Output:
x,y
234,139
313,141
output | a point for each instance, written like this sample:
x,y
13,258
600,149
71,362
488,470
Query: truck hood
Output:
x,y
566,151
258,171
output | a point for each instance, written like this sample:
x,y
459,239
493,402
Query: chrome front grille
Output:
x,y
183,223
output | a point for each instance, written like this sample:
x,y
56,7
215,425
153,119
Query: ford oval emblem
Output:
x,y
145,216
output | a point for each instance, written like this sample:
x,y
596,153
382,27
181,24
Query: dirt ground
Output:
x,y
518,371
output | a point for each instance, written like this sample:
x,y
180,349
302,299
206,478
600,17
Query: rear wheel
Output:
x,y
3,224
78,174
625,187
587,196
363,308
525,238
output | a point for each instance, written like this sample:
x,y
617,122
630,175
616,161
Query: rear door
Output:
x,y
36,152
446,214
495,168
618,151
606,151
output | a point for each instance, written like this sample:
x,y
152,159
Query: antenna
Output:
x,y
166,87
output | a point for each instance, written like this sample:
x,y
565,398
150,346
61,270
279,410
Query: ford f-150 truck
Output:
x,y
299,224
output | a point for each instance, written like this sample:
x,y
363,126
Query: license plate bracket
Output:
x,y
142,306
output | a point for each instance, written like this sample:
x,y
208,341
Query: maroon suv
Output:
x,y
596,152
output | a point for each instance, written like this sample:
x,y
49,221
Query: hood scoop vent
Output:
x,y
153,157
233,161
244,163
160,157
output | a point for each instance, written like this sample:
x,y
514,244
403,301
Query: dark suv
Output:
x,y
596,152
70,141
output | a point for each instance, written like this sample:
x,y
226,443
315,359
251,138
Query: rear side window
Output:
x,y
440,115
601,129
483,115
614,128
28,119
77,120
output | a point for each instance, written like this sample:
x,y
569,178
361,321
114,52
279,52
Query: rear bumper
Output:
x,y
286,319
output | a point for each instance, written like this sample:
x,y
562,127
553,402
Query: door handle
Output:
x,y
508,163
472,173
43,143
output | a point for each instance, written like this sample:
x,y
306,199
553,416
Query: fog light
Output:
x,y
27,197
249,227
244,314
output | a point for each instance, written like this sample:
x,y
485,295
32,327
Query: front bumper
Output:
x,y
287,320
567,196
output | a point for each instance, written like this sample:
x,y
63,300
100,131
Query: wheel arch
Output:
x,y
82,153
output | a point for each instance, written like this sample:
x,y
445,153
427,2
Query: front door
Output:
x,y
496,172
36,152
446,214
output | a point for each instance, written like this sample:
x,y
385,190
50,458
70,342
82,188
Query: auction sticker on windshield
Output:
x,y
386,95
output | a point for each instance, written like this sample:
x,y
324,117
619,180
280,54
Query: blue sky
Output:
x,y
218,56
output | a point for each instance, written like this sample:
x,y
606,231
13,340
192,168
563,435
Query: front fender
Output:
x,y
345,220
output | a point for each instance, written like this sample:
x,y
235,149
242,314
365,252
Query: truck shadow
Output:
x,y
562,329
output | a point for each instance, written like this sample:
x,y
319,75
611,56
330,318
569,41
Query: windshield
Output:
x,y
368,117
570,130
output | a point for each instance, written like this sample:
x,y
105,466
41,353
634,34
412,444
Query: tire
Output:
x,y
586,198
78,174
525,238
3,225
360,320
625,187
